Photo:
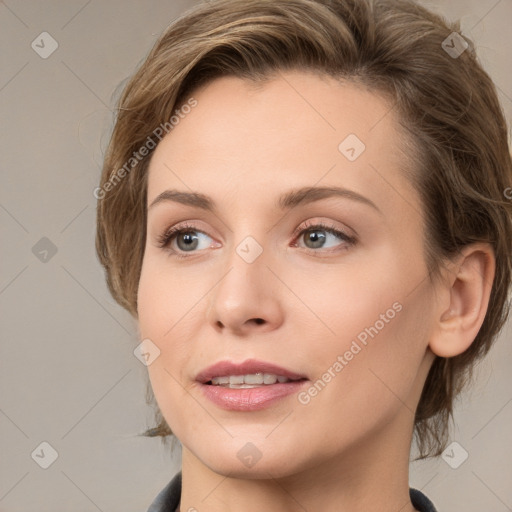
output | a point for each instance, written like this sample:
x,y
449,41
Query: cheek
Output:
x,y
343,300
375,323
166,296
170,315
374,357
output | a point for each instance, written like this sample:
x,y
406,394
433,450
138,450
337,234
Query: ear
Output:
x,y
464,300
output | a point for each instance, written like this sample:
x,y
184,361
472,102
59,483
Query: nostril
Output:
x,y
259,320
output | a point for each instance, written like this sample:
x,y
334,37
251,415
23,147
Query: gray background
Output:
x,y
68,375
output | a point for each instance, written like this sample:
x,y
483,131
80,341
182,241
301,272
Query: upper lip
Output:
x,y
225,368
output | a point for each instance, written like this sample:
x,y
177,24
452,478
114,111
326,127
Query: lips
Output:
x,y
243,398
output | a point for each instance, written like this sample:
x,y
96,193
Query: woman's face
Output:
x,y
328,286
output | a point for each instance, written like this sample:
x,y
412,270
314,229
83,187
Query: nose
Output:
x,y
247,298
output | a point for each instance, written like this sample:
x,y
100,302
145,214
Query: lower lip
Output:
x,y
250,399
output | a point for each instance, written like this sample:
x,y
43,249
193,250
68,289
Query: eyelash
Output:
x,y
167,236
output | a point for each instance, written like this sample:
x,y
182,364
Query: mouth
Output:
x,y
250,380
248,386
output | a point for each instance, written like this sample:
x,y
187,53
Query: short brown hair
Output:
x,y
448,106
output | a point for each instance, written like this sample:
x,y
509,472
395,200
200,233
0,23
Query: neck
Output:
x,y
371,476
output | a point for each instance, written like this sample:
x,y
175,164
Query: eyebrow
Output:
x,y
286,201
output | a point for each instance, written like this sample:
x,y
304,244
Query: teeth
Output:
x,y
236,379
256,378
249,380
271,379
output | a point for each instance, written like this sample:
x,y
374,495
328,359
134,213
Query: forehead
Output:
x,y
297,129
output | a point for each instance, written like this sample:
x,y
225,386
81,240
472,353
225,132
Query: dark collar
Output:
x,y
168,498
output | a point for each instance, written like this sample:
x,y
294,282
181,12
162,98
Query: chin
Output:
x,y
253,460
262,470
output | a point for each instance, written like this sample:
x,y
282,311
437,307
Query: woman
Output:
x,y
303,206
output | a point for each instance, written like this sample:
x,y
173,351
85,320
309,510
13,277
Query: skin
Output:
x,y
244,145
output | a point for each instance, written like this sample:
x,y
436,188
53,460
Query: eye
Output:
x,y
317,236
186,237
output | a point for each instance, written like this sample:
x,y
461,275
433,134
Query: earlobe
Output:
x,y
468,289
